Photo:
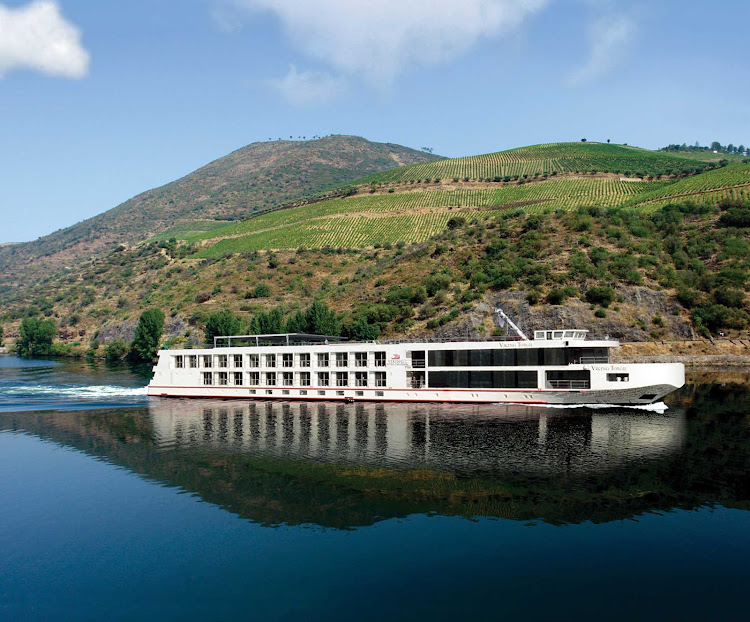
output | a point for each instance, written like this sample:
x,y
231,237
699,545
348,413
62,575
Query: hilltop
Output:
x,y
247,181
660,250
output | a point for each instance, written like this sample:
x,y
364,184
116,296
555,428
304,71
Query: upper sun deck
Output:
x,y
283,341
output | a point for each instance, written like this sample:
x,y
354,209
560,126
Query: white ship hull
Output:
x,y
413,372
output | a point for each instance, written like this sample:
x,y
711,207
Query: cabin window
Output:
x,y
208,378
569,379
418,359
303,392
379,378
379,359
238,378
483,379
237,360
304,379
342,359
360,379
179,362
342,379
379,394
304,360
270,360
285,391
253,360
254,378
618,377
323,379
269,392
360,359
321,392
252,391
223,378
554,356
287,360
287,378
192,361
207,362
221,360
323,360
359,393
339,393
271,378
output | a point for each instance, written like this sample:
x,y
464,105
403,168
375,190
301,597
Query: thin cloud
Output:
x,y
609,38
37,37
307,87
377,40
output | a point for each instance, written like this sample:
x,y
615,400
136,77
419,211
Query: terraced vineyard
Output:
x,y
408,216
415,212
541,159
732,181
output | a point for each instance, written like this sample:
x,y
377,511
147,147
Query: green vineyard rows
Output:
x,y
555,157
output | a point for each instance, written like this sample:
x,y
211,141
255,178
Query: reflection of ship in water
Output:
x,y
460,439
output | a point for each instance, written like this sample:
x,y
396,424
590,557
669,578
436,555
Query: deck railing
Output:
x,y
589,360
569,384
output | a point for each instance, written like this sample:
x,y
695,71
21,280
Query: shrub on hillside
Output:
x,y
601,295
115,350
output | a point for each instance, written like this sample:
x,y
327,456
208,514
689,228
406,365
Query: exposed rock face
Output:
x,y
638,304
641,315
173,327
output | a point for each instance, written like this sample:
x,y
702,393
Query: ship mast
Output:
x,y
504,319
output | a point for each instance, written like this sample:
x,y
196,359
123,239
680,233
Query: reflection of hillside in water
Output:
x,y
351,465
458,439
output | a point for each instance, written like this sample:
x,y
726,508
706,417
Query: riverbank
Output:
x,y
695,352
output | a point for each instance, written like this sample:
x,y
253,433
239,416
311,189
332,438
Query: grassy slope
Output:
x,y
248,180
415,213
559,157
118,285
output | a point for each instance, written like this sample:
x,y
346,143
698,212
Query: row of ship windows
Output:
x,y
339,359
288,379
517,357
303,392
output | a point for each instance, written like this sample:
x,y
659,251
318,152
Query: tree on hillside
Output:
x,y
35,337
223,324
267,323
1,335
147,335
321,320
583,140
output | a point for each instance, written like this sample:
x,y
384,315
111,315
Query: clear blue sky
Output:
x,y
101,100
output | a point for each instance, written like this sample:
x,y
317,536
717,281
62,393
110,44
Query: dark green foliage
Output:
x,y
115,350
362,330
601,295
223,324
267,323
147,335
321,320
261,291
35,337
688,297
730,297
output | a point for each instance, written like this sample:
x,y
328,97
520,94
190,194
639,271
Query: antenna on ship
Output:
x,y
503,320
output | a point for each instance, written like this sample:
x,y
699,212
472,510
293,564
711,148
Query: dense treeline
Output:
x,y
715,146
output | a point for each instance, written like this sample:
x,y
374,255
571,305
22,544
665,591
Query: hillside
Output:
x,y
643,259
413,212
539,160
247,181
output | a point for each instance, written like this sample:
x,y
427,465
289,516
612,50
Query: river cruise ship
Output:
x,y
555,367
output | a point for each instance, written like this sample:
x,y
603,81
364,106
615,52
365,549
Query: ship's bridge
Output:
x,y
559,335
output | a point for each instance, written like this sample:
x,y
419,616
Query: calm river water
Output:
x,y
116,506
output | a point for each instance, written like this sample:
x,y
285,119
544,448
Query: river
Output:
x,y
114,505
